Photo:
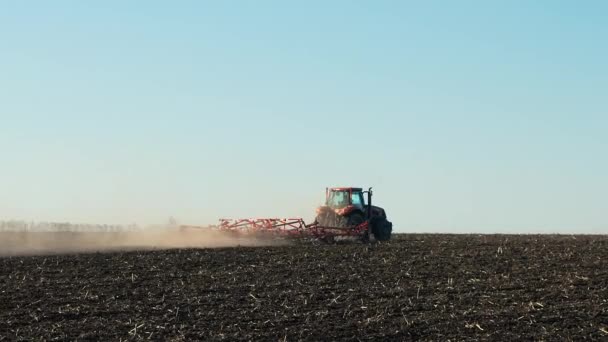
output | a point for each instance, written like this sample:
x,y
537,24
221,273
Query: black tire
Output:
x,y
321,219
333,220
382,229
327,219
355,219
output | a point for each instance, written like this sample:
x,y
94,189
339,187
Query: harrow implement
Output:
x,y
285,228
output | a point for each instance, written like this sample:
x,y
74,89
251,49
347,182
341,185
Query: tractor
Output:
x,y
344,215
345,207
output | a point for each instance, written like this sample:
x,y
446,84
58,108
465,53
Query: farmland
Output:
x,y
416,287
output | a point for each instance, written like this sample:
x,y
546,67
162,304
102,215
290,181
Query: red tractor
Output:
x,y
346,208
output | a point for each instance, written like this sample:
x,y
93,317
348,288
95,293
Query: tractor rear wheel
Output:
x,y
354,220
334,220
326,219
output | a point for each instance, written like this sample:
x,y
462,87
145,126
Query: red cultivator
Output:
x,y
287,228
345,214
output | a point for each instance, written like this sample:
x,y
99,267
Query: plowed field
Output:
x,y
417,287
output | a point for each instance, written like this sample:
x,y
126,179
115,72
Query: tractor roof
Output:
x,y
346,189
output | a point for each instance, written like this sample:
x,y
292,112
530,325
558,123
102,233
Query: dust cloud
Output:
x,y
66,242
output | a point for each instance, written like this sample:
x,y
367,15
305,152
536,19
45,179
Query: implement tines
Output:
x,y
290,228
322,232
275,226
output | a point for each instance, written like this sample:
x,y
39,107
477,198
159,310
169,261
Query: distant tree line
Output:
x,y
16,225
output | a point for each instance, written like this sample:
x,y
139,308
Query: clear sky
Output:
x,y
465,116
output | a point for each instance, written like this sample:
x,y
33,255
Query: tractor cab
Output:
x,y
339,198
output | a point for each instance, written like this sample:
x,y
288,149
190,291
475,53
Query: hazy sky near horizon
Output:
x,y
465,116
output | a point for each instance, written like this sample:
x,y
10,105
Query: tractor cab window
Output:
x,y
338,199
357,199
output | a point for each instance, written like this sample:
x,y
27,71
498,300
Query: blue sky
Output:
x,y
465,116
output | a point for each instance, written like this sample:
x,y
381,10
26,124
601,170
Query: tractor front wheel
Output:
x,y
382,229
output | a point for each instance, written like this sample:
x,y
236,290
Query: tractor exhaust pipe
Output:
x,y
369,203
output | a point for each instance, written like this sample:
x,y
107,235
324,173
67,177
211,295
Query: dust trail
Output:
x,y
43,243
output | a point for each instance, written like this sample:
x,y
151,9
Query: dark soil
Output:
x,y
416,287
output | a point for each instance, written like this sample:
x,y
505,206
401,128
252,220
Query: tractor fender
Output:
x,y
349,209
